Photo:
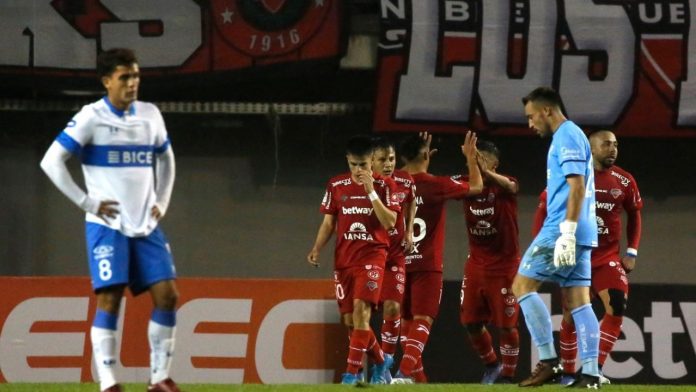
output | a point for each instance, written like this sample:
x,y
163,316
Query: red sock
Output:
x,y
405,326
483,344
374,351
390,334
359,341
509,351
609,331
418,373
569,347
417,338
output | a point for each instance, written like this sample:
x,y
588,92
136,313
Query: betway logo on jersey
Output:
x,y
624,181
604,206
357,210
482,211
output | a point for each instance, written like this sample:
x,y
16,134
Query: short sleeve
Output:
x,y
633,201
572,153
328,205
161,136
78,131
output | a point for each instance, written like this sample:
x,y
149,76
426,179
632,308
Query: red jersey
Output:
x,y
404,193
491,221
615,191
429,225
360,237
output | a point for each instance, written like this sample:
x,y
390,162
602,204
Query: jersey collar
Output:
x,y
115,110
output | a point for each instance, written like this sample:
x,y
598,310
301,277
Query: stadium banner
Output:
x,y
170,37
232,331
229,331
452,65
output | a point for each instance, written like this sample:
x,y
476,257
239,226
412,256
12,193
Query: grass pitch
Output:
x,y
88,387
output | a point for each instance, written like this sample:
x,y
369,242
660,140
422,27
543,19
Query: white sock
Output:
x,y
161,340
104,347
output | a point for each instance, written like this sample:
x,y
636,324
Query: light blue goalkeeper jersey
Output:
x,y
570,154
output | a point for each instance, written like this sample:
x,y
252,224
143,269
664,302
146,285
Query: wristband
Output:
x,y
631,252
568,227
373,196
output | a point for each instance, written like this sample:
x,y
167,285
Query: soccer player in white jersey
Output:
x,y
128,167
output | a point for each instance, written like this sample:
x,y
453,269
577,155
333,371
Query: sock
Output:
x,y
509,351
418,373
538,320
569,347
359,341
374,350
103,337
483,344
160,333
609,331
390,334
587,329
417,338
405,326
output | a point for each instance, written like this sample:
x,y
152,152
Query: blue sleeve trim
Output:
x,y
69,143
161,149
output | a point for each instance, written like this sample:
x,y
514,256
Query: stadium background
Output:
x,y
248,187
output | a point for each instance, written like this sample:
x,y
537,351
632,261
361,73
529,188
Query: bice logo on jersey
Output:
x,y
358,231
126,157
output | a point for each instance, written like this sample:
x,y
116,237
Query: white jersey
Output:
x,y
117,151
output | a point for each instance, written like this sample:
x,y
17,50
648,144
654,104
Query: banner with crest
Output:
x,y
171,37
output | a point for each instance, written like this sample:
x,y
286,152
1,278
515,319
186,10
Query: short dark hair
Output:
x,y
489,147
382,143
360,146
545,95
412,147
107,61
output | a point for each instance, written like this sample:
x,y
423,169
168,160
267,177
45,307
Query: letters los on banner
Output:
x,y
448,65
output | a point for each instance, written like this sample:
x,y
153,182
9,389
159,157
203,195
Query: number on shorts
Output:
x,y
339,291
105,269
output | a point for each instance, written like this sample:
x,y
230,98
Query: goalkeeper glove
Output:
x,y
564,252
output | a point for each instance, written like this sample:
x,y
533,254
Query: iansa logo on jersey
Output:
x,y
358,231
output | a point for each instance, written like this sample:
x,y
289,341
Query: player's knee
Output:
x,y
474,329
617,302
391,309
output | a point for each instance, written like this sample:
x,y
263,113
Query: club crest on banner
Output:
x,y
266,28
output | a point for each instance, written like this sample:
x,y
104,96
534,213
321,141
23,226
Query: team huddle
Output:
x,y
389,227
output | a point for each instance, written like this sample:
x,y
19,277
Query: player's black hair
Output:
x,y
360,146
489,147
382,143
597,131
412,147
544,95
107,61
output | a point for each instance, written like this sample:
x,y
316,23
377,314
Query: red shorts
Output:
x,y
487,298
423,294
609,276
394,284
360,282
